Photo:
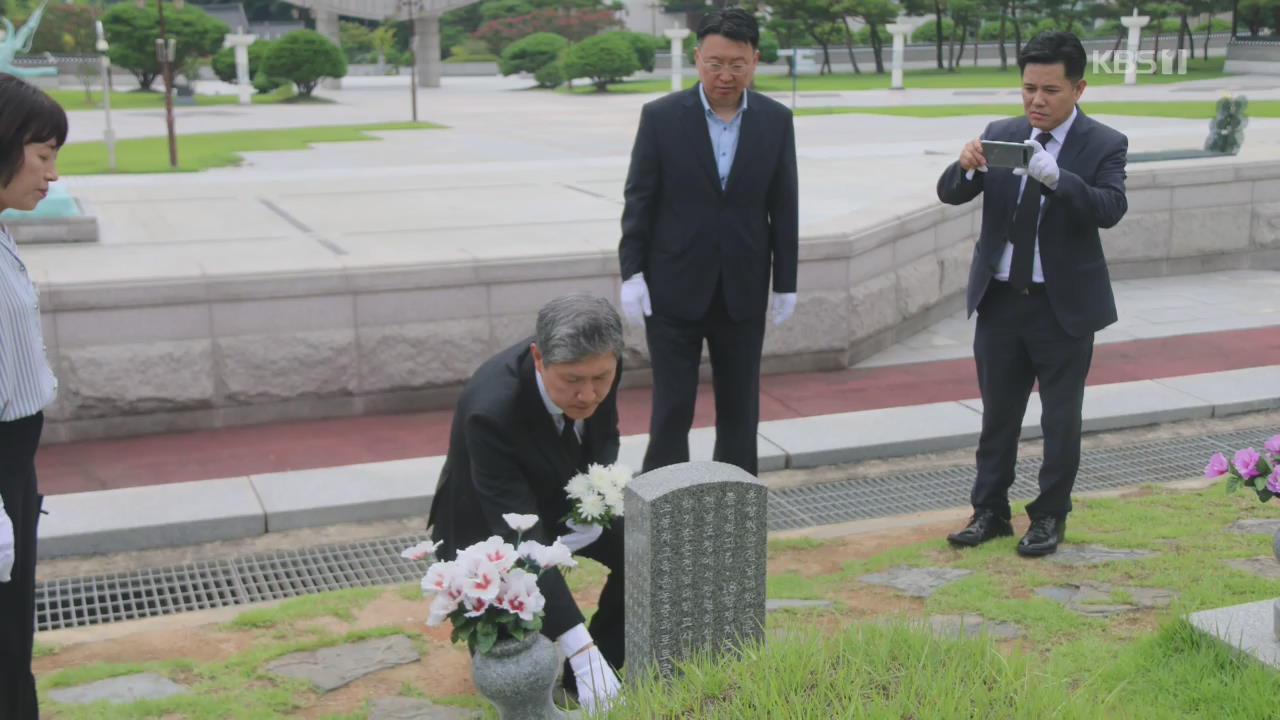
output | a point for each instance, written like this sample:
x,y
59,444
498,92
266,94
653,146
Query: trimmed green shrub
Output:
x,y
550,75
303,57
604,59
531,53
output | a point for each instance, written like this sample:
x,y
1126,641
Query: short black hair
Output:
x,y
731,23
27,115
1052,47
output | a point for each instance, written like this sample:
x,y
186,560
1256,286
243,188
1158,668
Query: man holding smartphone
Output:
x,y
1039,283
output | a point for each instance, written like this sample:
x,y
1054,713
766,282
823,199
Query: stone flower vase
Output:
x,y
517,677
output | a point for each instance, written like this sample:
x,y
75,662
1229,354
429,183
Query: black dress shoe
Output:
x,y
983,526
1043,536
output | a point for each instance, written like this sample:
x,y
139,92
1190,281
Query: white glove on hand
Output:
x,y
582,535
6,545
782,305
597,682
635,299
1043,166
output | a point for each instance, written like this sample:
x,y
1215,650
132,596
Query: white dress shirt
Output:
x,y
27,384
1054,148
557,415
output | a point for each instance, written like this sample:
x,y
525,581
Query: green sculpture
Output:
x,y
16,41
1226,129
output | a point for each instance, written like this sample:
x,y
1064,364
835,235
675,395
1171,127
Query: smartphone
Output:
x,y
1006,154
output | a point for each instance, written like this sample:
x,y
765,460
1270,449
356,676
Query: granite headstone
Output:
x,y
695,563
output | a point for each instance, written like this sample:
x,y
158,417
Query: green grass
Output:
x,y
964,78
72,100
201,151
339,604
1181,109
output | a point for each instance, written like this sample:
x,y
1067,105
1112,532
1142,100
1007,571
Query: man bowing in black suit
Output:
x,y
528,420
1039,283
711,212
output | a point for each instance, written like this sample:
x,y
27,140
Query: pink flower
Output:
x,y
1273,445
520,594
441,607
1273,483
1246,462
484,583
475,606
494,551
420,551
1217,466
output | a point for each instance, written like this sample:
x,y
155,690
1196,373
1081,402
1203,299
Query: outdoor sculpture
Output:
x,y
16,41
1226,129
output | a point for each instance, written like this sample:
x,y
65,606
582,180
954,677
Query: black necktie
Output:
x,y
1023,232
568,436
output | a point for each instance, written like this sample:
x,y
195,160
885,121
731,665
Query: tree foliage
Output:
x,y
132,33
303,57
531,53
603,59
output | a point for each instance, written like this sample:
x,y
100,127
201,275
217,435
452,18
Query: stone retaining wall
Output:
x,y
213,352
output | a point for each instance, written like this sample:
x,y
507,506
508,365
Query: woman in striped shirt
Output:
x,y
32,129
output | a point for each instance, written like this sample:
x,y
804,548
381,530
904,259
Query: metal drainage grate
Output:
x,y
74,602
137,594
1100,469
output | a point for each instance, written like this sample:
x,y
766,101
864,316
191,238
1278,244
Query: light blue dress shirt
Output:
x,y
724,135
557,415
27,384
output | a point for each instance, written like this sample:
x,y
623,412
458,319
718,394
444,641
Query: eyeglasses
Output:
x,y
737,69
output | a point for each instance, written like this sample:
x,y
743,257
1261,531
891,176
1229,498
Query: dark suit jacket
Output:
x,y
505,456
685,233
1089,196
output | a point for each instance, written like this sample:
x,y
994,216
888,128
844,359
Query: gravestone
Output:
x,y
1252,627
695,563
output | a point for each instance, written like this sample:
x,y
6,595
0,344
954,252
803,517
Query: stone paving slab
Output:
x,y
146,517
702,442
1250,627
1096,554
122,689
968,624
332,667
1094,599
354,493
1232,391
1142,402
1258,526
407,708
847,437
1264,566
918,582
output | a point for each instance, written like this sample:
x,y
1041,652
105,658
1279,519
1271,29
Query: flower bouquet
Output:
x,y
490,590
595,496
1257,471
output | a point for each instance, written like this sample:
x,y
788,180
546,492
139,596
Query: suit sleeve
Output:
x,y
784,214
612,438
640,193
1103,203
502,488
956,189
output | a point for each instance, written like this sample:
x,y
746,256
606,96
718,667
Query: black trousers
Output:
x,y
675,350
18,442
1018,341
608,624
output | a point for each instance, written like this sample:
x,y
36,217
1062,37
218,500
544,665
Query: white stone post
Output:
x,y
900,32
677,36
1135,23
241,43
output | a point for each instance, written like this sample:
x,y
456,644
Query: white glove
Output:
x,y
782,305
635,299
6,544
598,684
582,535
1042,167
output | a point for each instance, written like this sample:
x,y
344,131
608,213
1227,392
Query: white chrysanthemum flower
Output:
x,y
592,507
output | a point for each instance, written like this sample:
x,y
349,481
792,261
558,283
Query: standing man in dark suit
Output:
x,y
528,420
711,211
1039,283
